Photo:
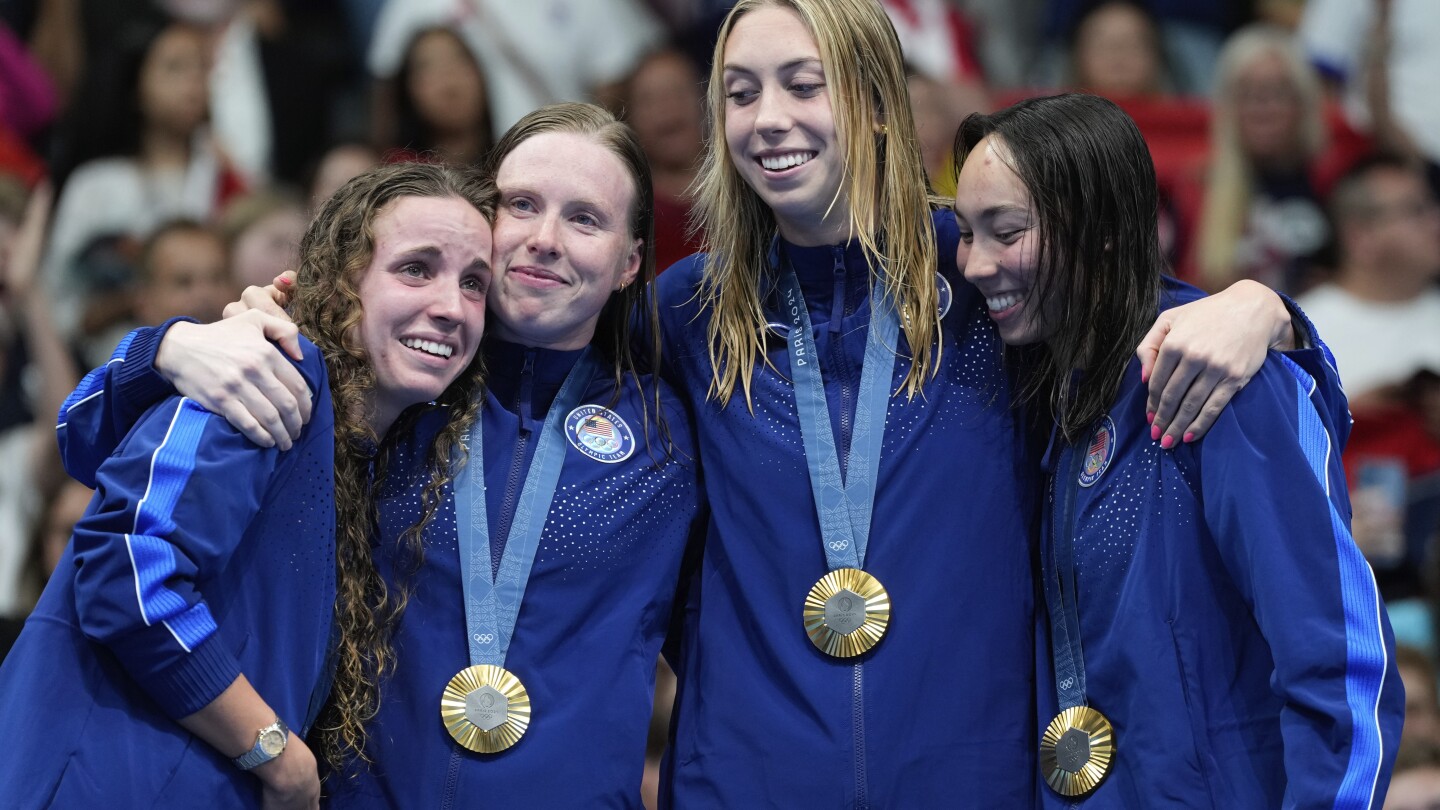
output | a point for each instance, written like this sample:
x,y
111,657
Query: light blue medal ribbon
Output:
x,y
1060,585
493,606
486,707
836,621
1078,747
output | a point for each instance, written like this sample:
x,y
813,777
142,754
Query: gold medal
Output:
x,y
485,708
846,613
1076,751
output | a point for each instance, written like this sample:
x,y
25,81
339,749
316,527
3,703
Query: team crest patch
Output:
x,y
599,433
945,294
1101,450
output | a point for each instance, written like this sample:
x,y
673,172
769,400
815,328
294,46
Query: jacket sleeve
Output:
x,y
1276,504
108,401
174,501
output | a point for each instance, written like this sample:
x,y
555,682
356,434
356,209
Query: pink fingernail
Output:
x,y
1167,442
1149,417
1189,437
1144,376
1154,432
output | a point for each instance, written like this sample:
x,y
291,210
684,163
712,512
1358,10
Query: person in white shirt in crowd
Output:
x,y
532,53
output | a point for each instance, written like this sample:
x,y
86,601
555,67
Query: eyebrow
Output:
x,y
431,250
802,61
996,210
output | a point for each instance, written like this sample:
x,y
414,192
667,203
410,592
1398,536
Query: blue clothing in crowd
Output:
x,y
1230,628
942,710
201,557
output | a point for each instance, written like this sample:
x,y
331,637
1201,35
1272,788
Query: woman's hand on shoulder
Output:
x,y
231,369
1198,356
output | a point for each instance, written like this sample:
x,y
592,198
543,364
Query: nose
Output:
x,y
976,260
447,303
544,236
772,111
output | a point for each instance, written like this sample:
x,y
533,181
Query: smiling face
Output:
x,y
999,241
779,128
563,239
423,300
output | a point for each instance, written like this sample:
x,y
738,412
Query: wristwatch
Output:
x,y
269,744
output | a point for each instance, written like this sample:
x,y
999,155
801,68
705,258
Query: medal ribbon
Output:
x,y
1060,588
844,502
492,607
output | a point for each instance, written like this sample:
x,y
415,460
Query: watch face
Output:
x,y
272,742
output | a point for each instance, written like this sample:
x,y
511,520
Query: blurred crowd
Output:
x,y
156,156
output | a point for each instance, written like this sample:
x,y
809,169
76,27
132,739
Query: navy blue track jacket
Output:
x,y
201,557
941,712
1231,630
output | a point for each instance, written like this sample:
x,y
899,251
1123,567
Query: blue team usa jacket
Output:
x,y
595,612
942,710
200,558
1231,629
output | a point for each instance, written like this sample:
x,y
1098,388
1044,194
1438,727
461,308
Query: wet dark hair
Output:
x,y
1092,186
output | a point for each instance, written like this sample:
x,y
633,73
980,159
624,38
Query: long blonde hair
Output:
x,y
884,183
1231,182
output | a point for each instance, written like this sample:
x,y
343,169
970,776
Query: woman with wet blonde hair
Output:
x,y
860,630
884,176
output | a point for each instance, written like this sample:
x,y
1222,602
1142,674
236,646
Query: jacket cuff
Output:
x,y
137,379
189,682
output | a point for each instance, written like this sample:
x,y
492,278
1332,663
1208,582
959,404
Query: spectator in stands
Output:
x,y
939,107
1261,216
1381,317
1116,52
182,273
534,53
664,104
442,107
333,169
1415,786
1384,57
148,157
1185,33
262,233
1420,738
29,460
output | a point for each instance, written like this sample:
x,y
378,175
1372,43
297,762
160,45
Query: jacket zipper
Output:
x,y
839,309
515,477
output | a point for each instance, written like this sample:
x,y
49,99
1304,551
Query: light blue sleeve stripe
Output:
x,y
1365,654
153,558
94,381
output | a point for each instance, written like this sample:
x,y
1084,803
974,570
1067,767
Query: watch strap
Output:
x,y
257,755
